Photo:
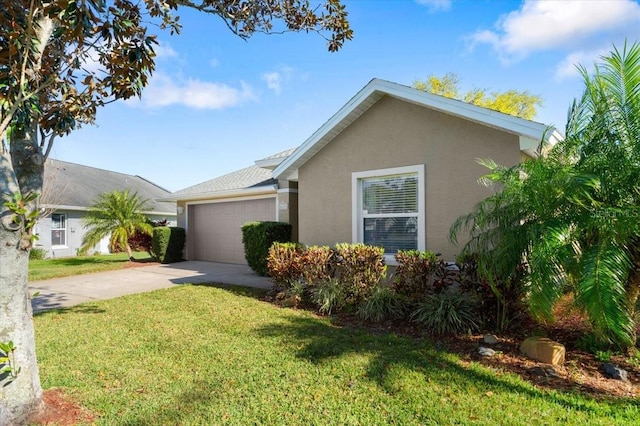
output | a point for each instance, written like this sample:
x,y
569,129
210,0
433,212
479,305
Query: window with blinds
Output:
x,y
390,208
58,230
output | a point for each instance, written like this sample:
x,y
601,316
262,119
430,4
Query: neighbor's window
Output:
x,y
389,208
58,230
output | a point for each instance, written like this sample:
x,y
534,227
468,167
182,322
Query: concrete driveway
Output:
x,y
70,291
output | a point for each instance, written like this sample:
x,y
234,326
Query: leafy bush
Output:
x,y
500,302
446,313
329,296
285,264
317,264
168,243
593,344
331,278
421,273
37,254
139,241
258,237
359,268
383,303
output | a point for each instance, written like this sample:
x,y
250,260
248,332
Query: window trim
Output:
x,y
63,229
357,219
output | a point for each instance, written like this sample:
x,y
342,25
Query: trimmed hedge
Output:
x,y
258,237
168,243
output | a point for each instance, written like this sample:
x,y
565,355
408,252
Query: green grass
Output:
x,y
203,355
66,266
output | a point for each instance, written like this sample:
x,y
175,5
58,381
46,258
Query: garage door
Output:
x,y
214,229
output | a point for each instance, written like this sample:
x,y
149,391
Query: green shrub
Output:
x,y
446,313
500,301
37,254
421,273
383,303
329,296
258,237
359,268
593,344
168,243
285,264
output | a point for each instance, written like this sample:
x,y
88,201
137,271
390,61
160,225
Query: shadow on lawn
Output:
x,y
321,342
51,303
250,292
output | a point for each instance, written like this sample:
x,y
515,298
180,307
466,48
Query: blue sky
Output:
x,y
216,103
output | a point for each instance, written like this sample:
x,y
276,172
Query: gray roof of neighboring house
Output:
x,y
249,177
71,185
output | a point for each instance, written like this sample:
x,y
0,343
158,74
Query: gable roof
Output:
x,y
252,180
74,186
272,161
529,132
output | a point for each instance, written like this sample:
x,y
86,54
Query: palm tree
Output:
x,y
116,213
572,216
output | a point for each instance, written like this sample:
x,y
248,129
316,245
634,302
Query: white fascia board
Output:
x,y
481,115
288,166
233,193
377,88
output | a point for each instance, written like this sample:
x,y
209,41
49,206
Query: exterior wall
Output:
x,y
393,133
74,233
288,205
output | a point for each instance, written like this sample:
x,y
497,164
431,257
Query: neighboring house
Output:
x,y
395,166
70,189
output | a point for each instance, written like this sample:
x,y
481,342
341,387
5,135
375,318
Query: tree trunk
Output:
x,y
21,171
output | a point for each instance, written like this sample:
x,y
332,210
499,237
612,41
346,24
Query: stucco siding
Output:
x,y
394,133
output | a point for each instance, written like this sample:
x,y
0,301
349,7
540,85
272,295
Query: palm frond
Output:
x,y
602,291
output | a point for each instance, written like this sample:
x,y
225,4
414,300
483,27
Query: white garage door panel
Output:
x,y
214,229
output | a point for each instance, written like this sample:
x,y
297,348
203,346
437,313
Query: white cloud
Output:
x,y
436,5
543,25
275,79
567,68
165,91
164,51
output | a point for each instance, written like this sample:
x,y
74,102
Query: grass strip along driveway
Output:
x,y
207,355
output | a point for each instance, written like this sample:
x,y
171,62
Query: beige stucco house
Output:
x,y
395,166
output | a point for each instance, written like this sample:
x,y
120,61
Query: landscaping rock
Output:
x,y
614,371
543,350
547,372
486,352
490,339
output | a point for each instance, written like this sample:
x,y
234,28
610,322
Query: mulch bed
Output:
x,y
581,371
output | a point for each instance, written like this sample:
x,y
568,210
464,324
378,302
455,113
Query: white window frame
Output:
x,y
63,229
357,219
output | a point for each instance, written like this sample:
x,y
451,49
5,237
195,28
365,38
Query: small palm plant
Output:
x,y
571,216
116,213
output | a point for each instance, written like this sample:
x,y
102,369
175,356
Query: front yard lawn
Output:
x,y
67,266
203,355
